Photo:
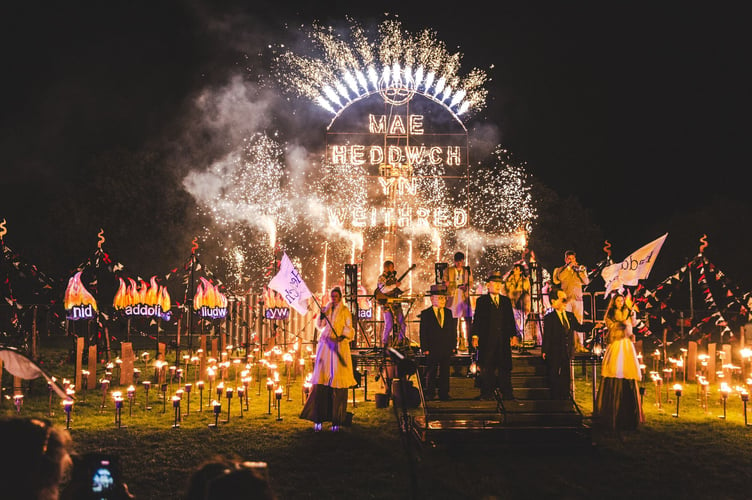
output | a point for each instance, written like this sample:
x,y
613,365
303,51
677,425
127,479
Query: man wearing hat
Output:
x,y
437,339
496,331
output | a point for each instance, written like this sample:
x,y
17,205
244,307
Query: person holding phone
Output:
x,y
36,458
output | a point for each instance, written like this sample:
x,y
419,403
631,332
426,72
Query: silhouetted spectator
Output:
x,y
223,478
35,459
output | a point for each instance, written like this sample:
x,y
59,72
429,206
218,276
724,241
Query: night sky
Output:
x,y
640,111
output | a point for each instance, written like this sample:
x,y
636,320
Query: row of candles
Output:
x,y
703,389
272,384
728,369
242,377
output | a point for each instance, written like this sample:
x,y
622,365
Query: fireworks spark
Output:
x,y
395,63
259,204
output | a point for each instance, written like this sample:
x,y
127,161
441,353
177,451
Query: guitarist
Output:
x,y
394,320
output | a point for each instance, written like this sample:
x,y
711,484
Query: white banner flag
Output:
x,y
19,365
635,267
288,283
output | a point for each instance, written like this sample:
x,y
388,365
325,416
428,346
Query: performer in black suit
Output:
x,y
559,326
495,328
438,329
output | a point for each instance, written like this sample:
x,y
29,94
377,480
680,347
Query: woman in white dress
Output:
x,y
333,374
618,401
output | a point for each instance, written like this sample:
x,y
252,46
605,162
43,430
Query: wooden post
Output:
x,y
202,358
711,363
742,339
92,379
79,362
231,324
214,349
177,334
257,324
243,323
691,361
34,336
728,361
107,342
126,366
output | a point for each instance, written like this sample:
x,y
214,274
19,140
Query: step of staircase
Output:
x,y
533,417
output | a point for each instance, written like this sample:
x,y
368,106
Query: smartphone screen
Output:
x,y
102,480
103,477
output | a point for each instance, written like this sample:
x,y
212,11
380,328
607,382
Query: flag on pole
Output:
x,y
288,283
635,267
19,365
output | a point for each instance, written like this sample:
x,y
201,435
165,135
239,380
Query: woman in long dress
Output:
x,y
333,373
618,401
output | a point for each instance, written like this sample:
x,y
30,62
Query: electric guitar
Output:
x,y
381,297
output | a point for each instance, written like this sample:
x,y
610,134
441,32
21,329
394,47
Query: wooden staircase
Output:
x,y
532,418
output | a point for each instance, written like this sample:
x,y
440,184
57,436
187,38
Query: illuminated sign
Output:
x,y
277,313
275,306
402,217
377,153
78,302
415,156
209,302
141,300
365,314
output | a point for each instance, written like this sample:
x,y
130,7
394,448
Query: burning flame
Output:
x,y
130,295
208,295
273,299
77,295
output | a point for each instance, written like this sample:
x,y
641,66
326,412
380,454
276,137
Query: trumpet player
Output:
x,y
571,277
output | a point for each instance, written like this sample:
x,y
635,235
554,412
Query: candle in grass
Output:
x,y
200,385
278,396
725,391
68,406
176,406
678,392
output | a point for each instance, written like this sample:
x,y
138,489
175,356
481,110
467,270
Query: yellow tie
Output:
x,y
440,316
564,320
495,300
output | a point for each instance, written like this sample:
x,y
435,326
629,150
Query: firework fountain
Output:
x,y
348,204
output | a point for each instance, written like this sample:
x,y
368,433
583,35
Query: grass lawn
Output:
x,y
697,455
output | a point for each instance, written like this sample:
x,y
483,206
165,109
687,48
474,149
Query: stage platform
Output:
x,y
533,417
